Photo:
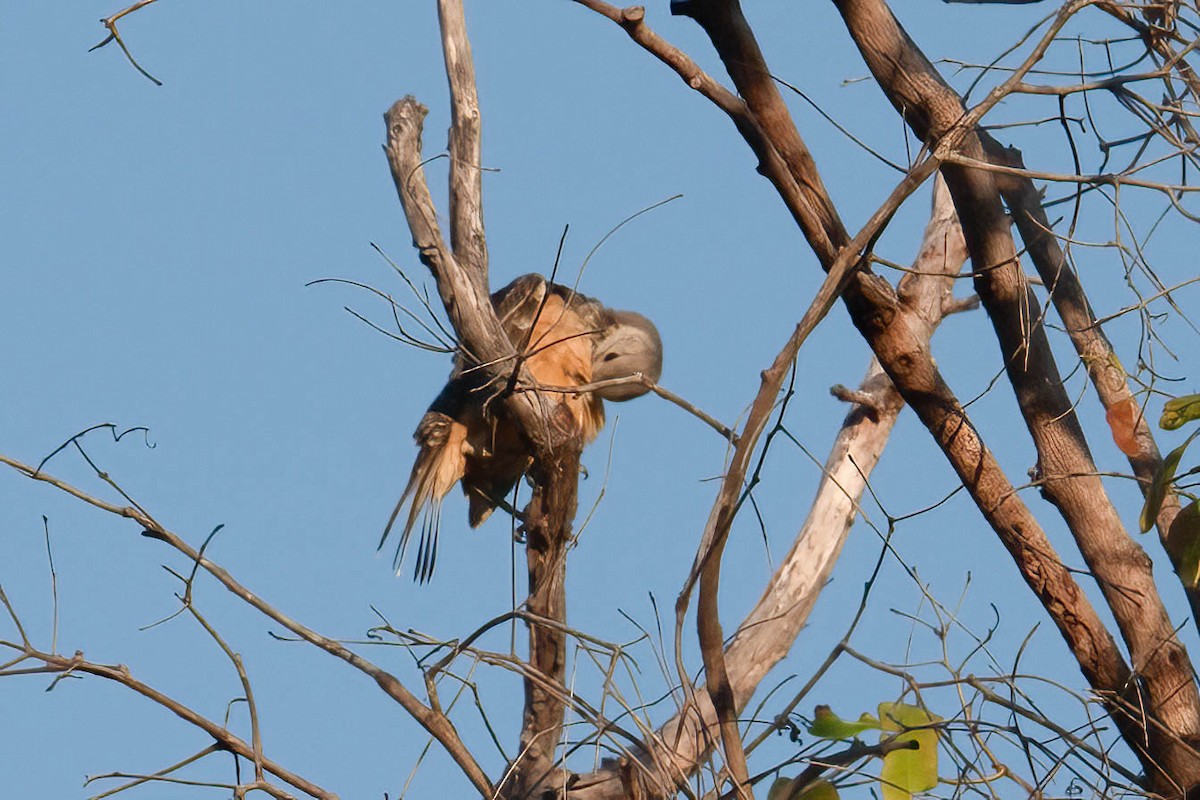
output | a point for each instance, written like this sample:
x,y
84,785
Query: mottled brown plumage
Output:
x,y
568,339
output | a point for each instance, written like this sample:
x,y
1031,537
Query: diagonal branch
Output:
x,y
743,59
885,324
63,665
1094,349
437,724
844,274
1069,478
114,35
768,631
770,164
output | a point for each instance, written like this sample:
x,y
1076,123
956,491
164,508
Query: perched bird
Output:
x,y
566,339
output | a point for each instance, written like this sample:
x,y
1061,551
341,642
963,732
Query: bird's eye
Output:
x,y
610,356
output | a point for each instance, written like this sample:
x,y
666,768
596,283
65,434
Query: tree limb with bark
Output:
x,y
1136,668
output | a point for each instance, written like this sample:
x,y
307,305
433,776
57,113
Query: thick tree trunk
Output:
x,y
547,537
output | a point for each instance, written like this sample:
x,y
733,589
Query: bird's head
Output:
x,y
629,346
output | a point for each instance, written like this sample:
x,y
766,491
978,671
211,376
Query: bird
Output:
x,y
564,339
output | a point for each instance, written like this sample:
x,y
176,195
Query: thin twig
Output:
x,y
110,23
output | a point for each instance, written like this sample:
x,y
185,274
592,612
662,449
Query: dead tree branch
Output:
x,y
436,723
768,631
461,275
114,35
54,664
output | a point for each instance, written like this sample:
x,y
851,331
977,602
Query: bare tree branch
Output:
x,y
766,634
1069,476
436,723
466,173
874,308
461,277
52,663
1095,350
114,35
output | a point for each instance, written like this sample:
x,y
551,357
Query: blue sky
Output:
x,y
157,245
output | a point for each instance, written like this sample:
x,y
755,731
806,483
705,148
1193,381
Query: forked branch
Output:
x,y
1068,476
876,311
461,275
436,723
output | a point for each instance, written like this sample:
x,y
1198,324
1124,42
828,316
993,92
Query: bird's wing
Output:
x,y
560,354
517,305
524,304
556,329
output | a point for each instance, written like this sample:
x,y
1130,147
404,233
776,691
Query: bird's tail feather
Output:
x,y
439,465
427,548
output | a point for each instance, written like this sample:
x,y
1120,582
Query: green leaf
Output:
x,y
828,725
1186,528
821,789
1179,411
1158,487
780,789
906,772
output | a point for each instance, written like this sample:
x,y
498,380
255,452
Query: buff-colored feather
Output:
x,y
568,339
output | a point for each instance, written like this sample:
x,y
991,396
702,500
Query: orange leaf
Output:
x,y
1122,418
